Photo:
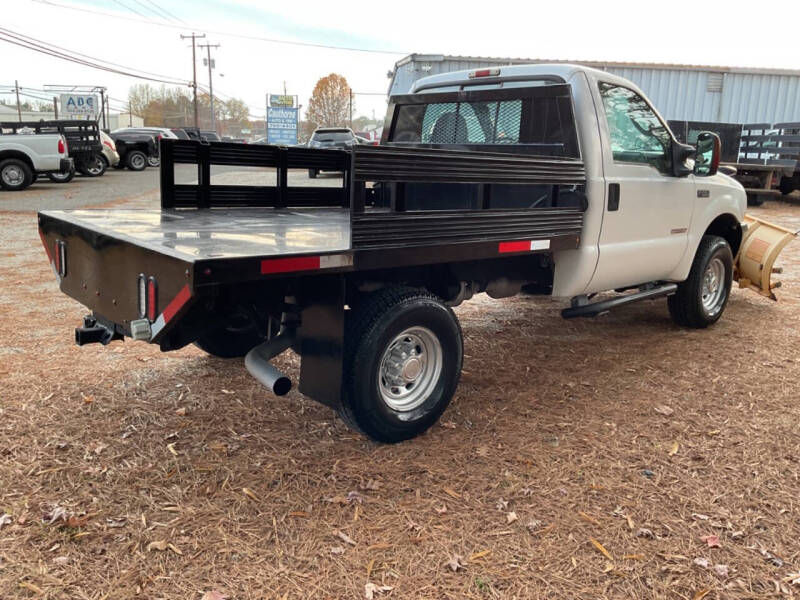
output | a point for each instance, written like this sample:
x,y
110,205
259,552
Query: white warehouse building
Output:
x,y
680,92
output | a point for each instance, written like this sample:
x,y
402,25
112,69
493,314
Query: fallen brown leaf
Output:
x,y
455,563
601,548
344,537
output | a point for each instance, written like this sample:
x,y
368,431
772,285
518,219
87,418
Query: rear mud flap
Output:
x,y
761,245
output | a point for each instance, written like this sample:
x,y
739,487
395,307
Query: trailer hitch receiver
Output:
x,y
93,332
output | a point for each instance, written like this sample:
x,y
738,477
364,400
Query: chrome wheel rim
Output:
x,y
13,175
410,369
138,161
153,162
96,167
713,288
61,176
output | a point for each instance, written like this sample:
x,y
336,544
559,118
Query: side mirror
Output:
x,y
681,153
706,159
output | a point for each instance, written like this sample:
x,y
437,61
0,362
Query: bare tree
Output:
x,y
329,105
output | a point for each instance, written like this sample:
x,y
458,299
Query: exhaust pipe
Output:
x,y
257,363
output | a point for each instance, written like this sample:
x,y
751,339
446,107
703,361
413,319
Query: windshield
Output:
x,y
332,136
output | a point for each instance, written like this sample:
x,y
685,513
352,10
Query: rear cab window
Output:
x,y
536,119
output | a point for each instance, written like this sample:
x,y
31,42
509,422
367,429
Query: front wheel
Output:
x,y
136,160
403,355
701,299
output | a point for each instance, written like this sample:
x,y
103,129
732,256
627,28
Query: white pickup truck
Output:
x,y
553,179
23,156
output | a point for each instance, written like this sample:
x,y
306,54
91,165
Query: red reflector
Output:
x,y
61,148
151,299
514,246
484,73
177,303
287,265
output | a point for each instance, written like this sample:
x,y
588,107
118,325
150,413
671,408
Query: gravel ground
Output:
x,y
620,457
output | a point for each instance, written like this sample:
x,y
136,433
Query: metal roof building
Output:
x,y
679,92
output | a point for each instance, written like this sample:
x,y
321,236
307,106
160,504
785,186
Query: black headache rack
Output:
x,y
399,196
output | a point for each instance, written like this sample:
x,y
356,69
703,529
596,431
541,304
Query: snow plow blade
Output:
x,y
761,245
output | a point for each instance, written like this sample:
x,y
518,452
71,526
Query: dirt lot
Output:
x,y
620,457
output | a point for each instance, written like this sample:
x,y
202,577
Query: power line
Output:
x,y
133,10
226,33
28,38
164,11
41,47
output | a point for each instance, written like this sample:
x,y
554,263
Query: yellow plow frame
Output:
x,y
753,267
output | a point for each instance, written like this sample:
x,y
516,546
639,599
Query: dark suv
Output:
x,y
331,137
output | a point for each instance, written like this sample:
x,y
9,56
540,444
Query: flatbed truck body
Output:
x,y
474,189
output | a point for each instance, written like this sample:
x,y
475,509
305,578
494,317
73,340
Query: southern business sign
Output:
x,y
76,105
281,120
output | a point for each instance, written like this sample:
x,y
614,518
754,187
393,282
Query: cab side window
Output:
x,y
636,133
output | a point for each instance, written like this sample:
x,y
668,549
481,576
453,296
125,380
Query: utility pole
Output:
x,y
103,106
19,108
55,106
351,108
194,37
208,48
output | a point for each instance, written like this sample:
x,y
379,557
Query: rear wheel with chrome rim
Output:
x,y
403,354
701,299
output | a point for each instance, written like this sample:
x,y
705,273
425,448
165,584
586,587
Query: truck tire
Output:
x,y
237,337
701,299
95,166
788,184
15,175
402,362
136,160
312,173
64,177
153,161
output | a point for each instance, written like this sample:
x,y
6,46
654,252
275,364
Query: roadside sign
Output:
x,y
79,105
281,101
282,126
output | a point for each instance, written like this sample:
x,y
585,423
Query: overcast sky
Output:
x,y
677,32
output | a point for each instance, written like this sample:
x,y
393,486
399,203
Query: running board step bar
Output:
x,y
595,308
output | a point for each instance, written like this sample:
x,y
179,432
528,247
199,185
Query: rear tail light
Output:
x,y
62,147
484,73
151,298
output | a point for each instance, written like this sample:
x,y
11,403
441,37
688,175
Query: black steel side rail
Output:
x,y
393,163
408,229
204,194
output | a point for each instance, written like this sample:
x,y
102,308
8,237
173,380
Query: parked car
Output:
x,y
25,154
109,152
162,131
136,150
331,137
210,136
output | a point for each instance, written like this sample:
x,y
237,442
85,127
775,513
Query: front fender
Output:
x,y
726,199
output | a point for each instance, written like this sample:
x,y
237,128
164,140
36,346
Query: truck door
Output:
x,y
648,210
